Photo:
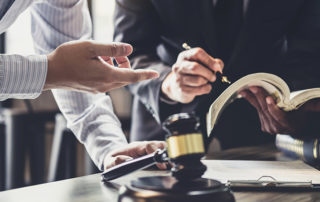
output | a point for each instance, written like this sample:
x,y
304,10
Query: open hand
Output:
x,y
87,66
273,119
191,75
133,150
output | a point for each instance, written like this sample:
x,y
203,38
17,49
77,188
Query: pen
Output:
x,y
224,79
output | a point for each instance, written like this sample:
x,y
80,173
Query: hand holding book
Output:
x,y
280,111
275,120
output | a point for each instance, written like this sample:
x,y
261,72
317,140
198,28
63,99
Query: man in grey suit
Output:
x,y
236,37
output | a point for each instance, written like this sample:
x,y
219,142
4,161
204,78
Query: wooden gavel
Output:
x,y
184,150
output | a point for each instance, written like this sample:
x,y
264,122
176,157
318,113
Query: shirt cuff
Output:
x,y
22,77
163,98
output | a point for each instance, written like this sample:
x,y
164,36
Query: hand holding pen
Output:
x,y
191,75
224,79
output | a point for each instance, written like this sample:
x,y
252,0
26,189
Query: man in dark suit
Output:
x,y
238,37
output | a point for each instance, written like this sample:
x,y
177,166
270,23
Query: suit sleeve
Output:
x,y
137,23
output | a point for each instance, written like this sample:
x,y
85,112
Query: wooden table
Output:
x,y
90,188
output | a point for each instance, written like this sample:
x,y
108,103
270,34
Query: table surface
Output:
x,y
90,188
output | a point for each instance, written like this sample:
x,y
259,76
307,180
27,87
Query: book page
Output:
x,y
298,98
273,84
291,171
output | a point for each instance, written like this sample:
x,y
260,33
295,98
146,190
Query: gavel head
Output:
x,y
185,146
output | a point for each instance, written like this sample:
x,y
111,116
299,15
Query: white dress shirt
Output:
x,y
54,22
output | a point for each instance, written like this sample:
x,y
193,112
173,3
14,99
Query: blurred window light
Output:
x,y
19,39
102,17
103,11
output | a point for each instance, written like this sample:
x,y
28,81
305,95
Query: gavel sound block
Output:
x,y
185,148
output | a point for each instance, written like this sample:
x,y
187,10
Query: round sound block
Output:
x,y
166,188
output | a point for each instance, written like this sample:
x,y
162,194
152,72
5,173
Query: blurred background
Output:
x,y
56,154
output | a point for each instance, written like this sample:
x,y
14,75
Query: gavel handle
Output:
x,y
129,167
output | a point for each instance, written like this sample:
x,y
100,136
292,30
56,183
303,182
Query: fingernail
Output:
x,y
243,94
156,75
254,90
269,100
161,166
154,148
128,48
217,66
213,78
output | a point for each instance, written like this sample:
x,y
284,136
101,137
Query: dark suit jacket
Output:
x,y
278,36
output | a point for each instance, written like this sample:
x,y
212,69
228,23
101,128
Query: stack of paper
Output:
x,y
296,171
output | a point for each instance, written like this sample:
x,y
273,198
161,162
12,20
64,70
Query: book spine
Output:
x,y
307,150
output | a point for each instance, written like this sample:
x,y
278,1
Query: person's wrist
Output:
x,y
166,90
165,99
49,84
56,74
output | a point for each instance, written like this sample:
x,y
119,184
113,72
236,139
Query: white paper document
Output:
x,y
290,171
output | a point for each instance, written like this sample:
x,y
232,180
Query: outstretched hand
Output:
x,y
273,119
88,66
133,150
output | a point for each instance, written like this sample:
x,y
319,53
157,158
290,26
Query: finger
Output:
x,y
109,49
221,65
311,105
271,125
151,148
107,60
154,146
260,95
136,149
251,98
281,123
201,90
123,62
246,94
162,166
275,111
146,147
194,68
121,158
113,161
126,75
201,56
191,80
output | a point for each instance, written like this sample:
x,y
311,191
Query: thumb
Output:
x,y
154,146
110,49
133,76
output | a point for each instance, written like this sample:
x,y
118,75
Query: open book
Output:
x,y
273,84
